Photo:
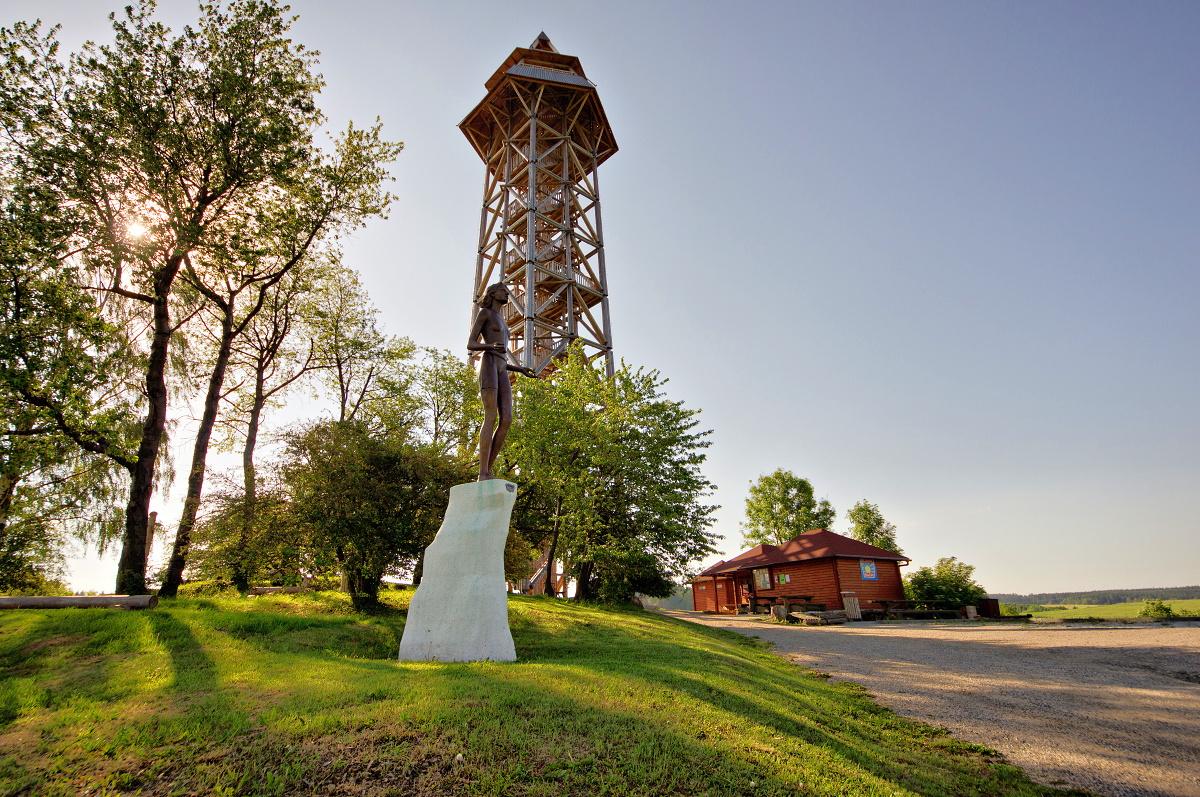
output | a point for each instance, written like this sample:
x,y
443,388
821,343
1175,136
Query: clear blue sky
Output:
x,y
942,256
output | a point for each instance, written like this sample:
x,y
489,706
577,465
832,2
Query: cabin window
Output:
x,y
867,569
762,578
703,587
784,578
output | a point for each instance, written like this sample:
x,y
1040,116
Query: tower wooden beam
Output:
x,y
542,134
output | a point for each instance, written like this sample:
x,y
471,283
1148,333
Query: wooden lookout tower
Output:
x,y
541,132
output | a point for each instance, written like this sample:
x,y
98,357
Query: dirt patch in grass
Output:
x,y
41,644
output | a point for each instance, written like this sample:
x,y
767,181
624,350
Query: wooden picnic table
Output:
x,y
787,600
904,608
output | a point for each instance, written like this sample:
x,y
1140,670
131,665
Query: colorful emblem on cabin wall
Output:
x,y
866,569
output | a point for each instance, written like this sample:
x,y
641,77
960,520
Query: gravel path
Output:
x,y
1112,709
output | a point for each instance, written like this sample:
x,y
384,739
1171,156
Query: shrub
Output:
x,y
1156,608
949,580
206,589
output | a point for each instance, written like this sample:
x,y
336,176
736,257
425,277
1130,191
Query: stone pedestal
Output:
x,y
460,610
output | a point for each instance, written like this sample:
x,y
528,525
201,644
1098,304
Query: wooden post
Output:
x,y
608,352
150,534
837,582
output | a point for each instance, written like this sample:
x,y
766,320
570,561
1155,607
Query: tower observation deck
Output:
x,y
541,132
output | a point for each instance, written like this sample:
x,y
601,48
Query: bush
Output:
x,y
949,580
1156,608
33,582
206,589
1017,609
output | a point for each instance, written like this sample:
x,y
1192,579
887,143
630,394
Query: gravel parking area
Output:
x,y
1113,709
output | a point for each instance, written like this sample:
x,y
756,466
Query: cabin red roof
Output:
x,y
815,544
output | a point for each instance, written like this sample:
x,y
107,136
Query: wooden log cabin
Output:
x,y
819,565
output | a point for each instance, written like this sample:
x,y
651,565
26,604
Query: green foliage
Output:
x,y
622,572
868,525
327,199
781,506
366,503
271,550
367,373
680,599
447,392
32,579
62,368
615,466
1157,608
949,580
173,150
207,588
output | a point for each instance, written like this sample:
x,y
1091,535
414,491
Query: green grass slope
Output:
x,y
299,695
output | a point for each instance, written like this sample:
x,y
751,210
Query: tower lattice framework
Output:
x,y
541,132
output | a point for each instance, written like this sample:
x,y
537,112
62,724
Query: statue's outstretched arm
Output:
x,y
520,369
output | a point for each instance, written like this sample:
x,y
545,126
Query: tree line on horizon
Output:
x,y
1100,597
171,226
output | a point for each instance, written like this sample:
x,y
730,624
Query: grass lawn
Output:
x,y
300,695
1115,610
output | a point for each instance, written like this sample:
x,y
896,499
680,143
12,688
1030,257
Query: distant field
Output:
x,y
1130,609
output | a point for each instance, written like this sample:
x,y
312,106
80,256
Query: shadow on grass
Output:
x,y
194,670
333,634
837,726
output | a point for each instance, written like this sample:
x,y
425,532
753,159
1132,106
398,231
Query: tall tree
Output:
x,y
447,391
780,506
161,141
273,355
867,525
326,198
62,373
621,463
366,372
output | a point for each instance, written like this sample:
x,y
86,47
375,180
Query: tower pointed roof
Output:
x,y
542,63
542,42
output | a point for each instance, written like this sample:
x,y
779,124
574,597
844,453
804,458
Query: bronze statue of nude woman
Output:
x,y
494,387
